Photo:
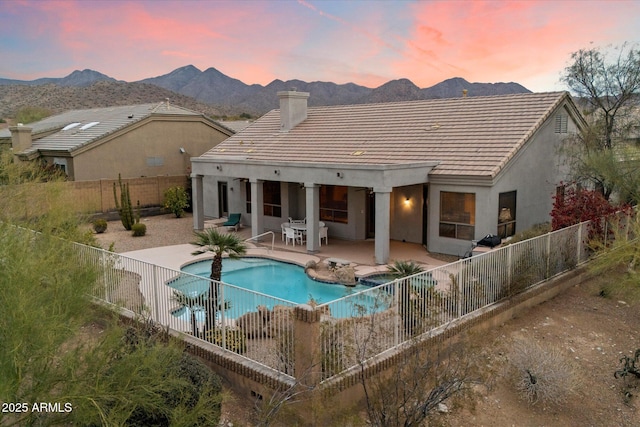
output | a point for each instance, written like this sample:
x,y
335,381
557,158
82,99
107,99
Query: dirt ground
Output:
x,y
589,331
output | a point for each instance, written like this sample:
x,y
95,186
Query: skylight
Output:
x,y
71,126
88,125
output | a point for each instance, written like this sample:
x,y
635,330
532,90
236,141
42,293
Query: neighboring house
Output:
x,y
135,141
439,172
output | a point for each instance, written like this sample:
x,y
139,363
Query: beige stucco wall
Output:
x,y
97,196
132,153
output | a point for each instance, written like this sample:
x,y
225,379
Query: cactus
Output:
x,y
124,207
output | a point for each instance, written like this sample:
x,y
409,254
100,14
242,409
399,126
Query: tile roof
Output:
x,y
467,135
107,120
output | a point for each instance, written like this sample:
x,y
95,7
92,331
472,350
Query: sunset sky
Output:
x,y
359,41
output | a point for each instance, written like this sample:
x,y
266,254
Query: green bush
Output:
x,y
235,339
138,229
405,268
100,225
176,200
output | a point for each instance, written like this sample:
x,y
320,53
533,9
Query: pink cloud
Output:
x,y
496,41
368,43
127,40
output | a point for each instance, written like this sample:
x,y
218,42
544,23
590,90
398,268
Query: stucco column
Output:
x,y
307,345
197,202
383,224
257,209
313,216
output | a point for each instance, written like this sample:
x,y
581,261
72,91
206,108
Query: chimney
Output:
x,y
464,93
20,138
293,108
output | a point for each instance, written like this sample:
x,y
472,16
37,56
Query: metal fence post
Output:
x,y
221,311
396,329
460,280
104,276
509,267
154,287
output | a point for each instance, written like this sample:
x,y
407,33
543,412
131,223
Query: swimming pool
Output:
x,y
272,278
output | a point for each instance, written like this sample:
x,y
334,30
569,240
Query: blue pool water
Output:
x,y
273,278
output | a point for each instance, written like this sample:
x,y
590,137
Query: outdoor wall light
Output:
x,y
182,150
277,171
340,175
407,201
218,167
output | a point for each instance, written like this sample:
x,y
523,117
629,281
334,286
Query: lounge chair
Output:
x,y
233,221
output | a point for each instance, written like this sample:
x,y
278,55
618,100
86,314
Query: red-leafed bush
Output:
x,y
576,205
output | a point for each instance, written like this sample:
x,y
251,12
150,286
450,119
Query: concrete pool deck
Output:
x,y
359,253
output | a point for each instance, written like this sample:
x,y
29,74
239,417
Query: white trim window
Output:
x,y
457,215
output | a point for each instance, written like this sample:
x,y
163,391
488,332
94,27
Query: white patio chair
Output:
x,y
290,234
301,236
321,224
282,227
324,234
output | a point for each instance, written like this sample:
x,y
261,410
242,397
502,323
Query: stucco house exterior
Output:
x,y
134,141
439,172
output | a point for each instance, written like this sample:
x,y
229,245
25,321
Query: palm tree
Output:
x,y
192,303
405,268
410,301
211,240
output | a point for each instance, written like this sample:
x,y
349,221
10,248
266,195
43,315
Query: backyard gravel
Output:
x,y
162,230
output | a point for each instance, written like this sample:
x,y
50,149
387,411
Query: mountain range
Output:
x,y
217,94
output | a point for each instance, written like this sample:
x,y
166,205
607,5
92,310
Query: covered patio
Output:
x,y
380,180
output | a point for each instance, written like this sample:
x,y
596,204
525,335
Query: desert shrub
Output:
x,y
176,200
334,348
405,268
417,384
630,366
477,284
164,385
100,225
234,339
527,267
138,229
542,374
530,233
